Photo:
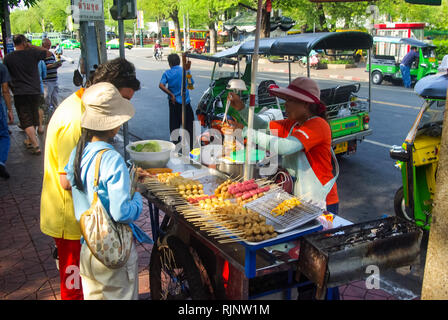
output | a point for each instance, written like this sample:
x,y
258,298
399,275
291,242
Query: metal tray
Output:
x,y
210,178
292,219
313,225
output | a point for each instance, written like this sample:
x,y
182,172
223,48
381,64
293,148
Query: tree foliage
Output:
x,y
45,15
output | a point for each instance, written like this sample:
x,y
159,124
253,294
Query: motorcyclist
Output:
x,y
157,48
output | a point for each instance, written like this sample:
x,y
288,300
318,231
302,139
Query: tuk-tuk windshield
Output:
x,y
225,71
428,53
434,112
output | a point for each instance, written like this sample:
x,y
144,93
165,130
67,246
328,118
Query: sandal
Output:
x,y
28,145
35,150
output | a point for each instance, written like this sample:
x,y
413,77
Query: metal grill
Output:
x,y
292,219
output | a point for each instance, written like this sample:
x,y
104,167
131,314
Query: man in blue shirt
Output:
x,y
171,84
5,119
405,66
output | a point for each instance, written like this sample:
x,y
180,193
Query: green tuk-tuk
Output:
x,y
418,157
388,53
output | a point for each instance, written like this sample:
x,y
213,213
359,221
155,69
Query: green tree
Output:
x,y
47,15
208,12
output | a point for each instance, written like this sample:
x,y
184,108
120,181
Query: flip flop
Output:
x,y
35,150
27,144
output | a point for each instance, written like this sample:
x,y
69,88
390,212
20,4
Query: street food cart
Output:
x,y
197,257
245,259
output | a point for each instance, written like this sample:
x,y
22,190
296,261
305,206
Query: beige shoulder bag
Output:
x,y
110,242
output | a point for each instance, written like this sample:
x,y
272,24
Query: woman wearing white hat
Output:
x,y
303,140
106,111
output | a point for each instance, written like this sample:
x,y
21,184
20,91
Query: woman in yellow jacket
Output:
x,y
57,217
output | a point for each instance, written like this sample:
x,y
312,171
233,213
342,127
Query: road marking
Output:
x,y
378,143
396,104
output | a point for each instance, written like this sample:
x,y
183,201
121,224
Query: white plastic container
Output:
x,y
151,159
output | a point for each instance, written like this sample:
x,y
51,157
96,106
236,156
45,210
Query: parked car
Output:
x,y
70,44
114,44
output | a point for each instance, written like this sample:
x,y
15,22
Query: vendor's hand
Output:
x,y
142,174
187,65
235,101
237,125
173,98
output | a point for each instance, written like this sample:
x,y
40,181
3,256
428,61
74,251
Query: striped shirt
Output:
x,y
52,74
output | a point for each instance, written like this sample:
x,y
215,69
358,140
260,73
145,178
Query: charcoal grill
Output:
x,y
338,256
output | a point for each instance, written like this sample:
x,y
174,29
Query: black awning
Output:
x,y
302,44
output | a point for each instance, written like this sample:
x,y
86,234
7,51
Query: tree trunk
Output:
x,y
178,41
159,30
213,38
303,28
435,278
6,26
322,19
265,23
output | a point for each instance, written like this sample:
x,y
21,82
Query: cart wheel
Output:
x,y
399,205
173,273
377,77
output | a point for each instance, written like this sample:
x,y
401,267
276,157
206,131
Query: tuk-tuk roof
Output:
x,y
397,40
212,58
302,44
432,87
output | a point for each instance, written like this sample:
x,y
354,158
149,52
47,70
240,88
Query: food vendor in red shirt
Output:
x,y
303,140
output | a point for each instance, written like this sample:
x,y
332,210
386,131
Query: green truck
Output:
x,y
347,112
389,51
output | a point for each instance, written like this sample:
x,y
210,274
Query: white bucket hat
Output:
x,y
106,109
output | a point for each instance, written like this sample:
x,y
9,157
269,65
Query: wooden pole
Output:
x,y
253,90
435,278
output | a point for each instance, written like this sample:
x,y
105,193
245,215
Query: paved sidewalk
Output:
x,y
27,269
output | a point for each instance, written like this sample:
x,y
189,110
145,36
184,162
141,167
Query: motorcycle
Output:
x,y
158,54
313,60
417,158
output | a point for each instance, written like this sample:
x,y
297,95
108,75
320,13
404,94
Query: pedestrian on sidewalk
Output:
x,y
57,218
22,65
171,84
42,73
106,110
6,117
405,66
51,89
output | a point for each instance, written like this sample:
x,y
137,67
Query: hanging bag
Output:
x,y
77,77
109,241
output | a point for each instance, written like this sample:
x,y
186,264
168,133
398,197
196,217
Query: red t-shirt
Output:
x,y
315,135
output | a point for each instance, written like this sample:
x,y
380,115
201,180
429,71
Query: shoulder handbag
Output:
x,y
77,77
109,241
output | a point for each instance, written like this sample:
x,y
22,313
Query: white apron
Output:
x,y
307,186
